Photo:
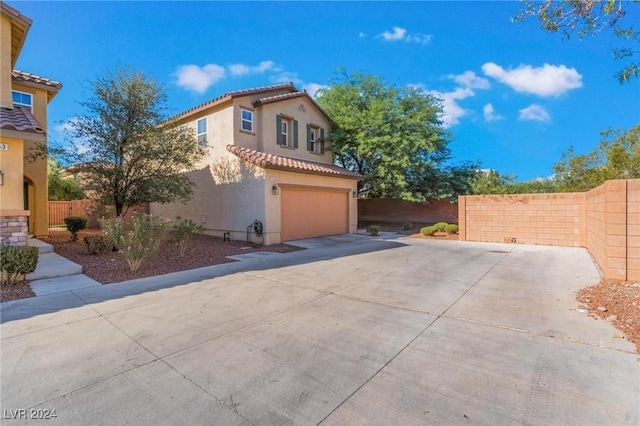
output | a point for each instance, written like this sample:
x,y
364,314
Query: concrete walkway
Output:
x,y
358,330
54,273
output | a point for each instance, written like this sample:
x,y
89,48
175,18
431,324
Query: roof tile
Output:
x,y
20,119
272,161
235,94
32,78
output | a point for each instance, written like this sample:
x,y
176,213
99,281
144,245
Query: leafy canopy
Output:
x,y
617,157
588,18
62,187
392,136
128,154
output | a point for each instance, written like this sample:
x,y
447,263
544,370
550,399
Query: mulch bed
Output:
x,y
414,232
21,290
111,266
615,301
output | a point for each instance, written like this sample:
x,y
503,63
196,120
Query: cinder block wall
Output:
x,y
548,219
390,210
613,228
633,229
605,220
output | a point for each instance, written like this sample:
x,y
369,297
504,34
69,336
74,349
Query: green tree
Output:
x,y
392,136
62,187
491,182
129,153
587,18
617,157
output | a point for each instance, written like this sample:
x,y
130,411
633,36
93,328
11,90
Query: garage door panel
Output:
x,y
312,213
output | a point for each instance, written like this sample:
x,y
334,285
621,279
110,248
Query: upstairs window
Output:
x,y
22,99
286,131
246,120
315,139
202,133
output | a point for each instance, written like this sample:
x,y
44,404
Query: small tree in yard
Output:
x,y
74,225
184,233
128,153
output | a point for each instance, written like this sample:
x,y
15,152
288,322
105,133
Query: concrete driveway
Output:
x,y
355,330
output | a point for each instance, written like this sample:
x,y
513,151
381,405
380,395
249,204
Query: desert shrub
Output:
x,y
373,230
143,240
96,244
75,224
451,229
440,226
184,232
16,262
407,226
428,231
113,229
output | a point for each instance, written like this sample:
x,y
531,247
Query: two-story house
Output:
x,y
268,160
23,134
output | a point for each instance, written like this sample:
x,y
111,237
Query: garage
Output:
x,y
312,212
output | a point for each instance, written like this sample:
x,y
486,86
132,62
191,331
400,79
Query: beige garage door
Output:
x,y
307,213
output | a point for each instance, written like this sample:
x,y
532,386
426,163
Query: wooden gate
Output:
x,y
58,210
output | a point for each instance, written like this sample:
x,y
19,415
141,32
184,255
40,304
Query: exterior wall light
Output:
x,y
1,178
275,190
354,194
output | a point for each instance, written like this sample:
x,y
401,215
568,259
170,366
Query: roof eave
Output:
x,y
308,172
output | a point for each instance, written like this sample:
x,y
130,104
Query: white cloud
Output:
x,y
547,80
471,80
362,35
239,69
288,77
490,114
312,88
199,79
397,34
400,34
242,69
534,112
452,110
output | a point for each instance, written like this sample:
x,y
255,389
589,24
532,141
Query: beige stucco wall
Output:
x,y
229,196
280,177
12,166
303,111
36,170
5,62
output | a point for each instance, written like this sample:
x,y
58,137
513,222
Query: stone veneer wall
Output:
x,y
14,229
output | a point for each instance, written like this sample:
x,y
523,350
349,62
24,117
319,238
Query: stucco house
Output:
x,y
268,161
23,128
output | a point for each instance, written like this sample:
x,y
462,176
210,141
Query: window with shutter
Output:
x,y
287,131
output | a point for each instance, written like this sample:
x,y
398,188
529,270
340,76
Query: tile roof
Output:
x,y
32,78
272,161
20,119
236,94
277,98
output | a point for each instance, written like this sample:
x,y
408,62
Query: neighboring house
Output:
x,y
268,161
23,129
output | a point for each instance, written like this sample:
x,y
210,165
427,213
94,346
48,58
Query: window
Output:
x,y
246,120
183,129
315,139
286,131
202,133
22,99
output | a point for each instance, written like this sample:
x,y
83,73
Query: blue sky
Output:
x,y
516,97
